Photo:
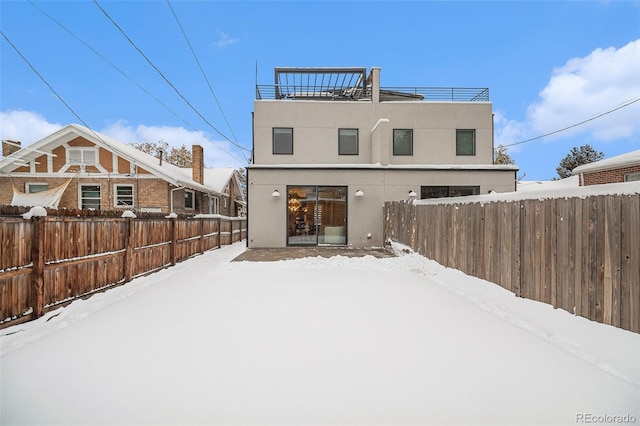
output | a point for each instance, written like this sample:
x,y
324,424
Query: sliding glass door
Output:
x,y
317,215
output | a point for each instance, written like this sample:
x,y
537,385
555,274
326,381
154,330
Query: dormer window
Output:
x,y
82,156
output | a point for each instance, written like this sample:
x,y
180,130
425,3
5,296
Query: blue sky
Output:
x,y
548,65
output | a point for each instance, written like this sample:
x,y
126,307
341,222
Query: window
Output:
x,y
347,141
448,191
632,177
282,140
89,197
465,142
124,195
32,188
402,141
189,199
82,156
214,205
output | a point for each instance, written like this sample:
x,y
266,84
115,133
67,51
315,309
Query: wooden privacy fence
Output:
x,y
581,255
48,261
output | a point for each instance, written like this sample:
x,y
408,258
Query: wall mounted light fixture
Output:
x,y
275,194
412,194
359,193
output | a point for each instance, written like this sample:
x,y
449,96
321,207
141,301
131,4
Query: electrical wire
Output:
x,y
202,71
166,79
136,83
43,79
626,104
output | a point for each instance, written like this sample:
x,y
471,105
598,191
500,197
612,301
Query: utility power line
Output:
x,y
133,81
626,104
166,79
204,74
43,79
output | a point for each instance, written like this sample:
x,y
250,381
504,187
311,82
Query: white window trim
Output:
x,y
116,203
193,197
632,177
28,184
80,193
214,205
83,151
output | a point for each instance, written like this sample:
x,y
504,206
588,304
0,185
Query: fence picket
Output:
x,y
581,255
49,261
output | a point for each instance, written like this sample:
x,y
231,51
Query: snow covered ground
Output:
x,y
315,341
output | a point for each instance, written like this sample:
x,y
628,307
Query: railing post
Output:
x,y
219,233
37,272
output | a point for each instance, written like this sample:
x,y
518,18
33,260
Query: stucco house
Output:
x,y
621,168
79,168
330,146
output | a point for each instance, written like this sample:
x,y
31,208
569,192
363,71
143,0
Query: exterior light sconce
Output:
x,y
359,193
412,195
275,194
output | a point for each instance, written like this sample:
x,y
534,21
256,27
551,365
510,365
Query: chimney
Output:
x,y
375,85
161,153
197,164
9,147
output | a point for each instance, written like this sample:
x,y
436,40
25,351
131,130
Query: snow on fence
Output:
x,y
578,254
48,261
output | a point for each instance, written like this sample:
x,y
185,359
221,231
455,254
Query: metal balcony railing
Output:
x,y
350,93
451,94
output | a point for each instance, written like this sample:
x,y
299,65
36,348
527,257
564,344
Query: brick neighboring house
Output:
x,y
330,146
78,168
622,168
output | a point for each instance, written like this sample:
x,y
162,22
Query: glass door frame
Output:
x,y
295,225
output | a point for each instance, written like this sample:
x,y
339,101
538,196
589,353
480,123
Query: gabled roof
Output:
x,y
625,160
220,178
172,174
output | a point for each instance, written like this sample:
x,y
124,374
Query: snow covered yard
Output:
x,y
315,341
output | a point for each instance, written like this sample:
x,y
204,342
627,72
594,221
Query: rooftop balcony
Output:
x,y
351,84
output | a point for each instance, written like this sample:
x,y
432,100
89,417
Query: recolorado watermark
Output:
x,y
605,418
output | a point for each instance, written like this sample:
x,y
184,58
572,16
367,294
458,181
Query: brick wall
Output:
x,y
608,176
151,193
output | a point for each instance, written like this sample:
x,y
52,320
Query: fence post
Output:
x,y
128,253
172,245
201,235
37,272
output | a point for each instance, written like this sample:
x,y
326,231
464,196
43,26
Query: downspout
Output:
x,y
171,196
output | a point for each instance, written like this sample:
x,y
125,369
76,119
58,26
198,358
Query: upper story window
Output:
x,y
82,156
283,140
124,195
189,199
89,197
402,141
465,142
32,188
347,141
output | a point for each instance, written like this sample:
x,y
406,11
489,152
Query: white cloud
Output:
x,y
581,89
224,40
509,131
29,127
216,153
25,126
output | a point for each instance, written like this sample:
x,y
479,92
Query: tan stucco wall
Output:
x,y
268,215
315,127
